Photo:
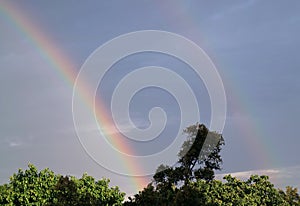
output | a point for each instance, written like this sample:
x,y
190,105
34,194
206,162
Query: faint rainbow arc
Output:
x,y
263,152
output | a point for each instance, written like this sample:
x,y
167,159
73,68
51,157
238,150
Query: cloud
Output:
x,y
17,141
246,174
15,144
234,8
280,177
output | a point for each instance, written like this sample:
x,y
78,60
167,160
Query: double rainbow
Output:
x,y
64,66
59,60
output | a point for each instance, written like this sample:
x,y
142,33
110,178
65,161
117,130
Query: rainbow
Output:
x,y
60,61
254,133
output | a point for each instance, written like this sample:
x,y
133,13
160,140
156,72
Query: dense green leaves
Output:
x,y
291,196
86,191
31,187
198,158
190,182
200,153
256,191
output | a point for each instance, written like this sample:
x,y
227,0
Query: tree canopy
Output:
x,y
198,158
31,187
189,182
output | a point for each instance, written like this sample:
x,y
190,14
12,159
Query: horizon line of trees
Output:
x,y
190,182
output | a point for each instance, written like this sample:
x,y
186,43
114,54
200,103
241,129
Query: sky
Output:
x,y
45,44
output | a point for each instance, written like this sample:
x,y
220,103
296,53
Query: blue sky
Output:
x,y
254,45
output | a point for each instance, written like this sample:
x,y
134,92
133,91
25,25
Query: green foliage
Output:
x,y
31,187
256,191
291,196
192,182
86,191
198,158
202,149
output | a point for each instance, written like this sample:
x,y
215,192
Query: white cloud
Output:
x,y
280,177
247,174
15,144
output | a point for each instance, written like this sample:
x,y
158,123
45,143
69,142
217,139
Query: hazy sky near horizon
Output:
x,y
254,45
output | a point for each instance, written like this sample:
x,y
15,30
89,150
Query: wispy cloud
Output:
x,y
15,144
280,177
234,8
16,141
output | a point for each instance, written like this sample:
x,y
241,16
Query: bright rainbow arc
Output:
x,y
66,69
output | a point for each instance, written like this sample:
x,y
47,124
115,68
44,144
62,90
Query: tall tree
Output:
x,y
203,153
198,158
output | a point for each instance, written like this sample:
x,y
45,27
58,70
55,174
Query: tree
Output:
x,y
191,181
65,192
200,153
198,158
4,194
31,187
256,191
291,196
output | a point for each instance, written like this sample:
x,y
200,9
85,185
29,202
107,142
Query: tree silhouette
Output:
x,y
198,158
